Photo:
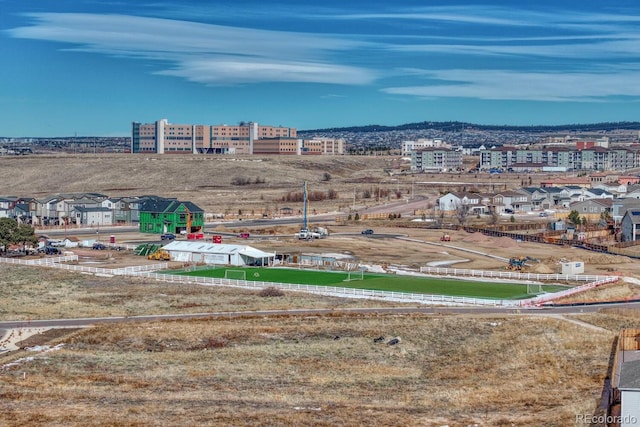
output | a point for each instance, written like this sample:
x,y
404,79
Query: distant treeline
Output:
x,y
459,126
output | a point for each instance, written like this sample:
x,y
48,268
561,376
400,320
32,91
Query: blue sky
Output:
x,y
90,67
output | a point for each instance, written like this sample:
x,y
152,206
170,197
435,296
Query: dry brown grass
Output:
x,y
207,180
613,319
29,293
313,371
618,291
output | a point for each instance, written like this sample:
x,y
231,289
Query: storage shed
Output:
x,y
217,254
573,267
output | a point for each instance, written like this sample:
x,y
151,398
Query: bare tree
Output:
x,y
494,216
462,213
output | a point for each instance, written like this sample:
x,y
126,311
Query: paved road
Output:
x,y
82,322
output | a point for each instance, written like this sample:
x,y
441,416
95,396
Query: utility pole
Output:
x,y
354,199
304,196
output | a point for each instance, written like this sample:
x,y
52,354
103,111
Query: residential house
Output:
x,y
6,206
630,225
633,191
511,200
602,177
538,198
620,207
452,201
21,213
629,179
160,215
613,188
626,379
564,181
597,193
49,210
92,216
592,209
557,197
123,210
576,194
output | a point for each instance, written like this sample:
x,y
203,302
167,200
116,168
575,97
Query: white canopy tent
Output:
x,y
219,254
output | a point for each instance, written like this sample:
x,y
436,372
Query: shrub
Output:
x,y
240,180
271,291
214,342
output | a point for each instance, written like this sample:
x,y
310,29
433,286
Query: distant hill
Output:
x,y
458,126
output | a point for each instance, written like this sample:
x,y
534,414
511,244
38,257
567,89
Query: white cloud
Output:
x,y
511,85
195,48
566,57
215,71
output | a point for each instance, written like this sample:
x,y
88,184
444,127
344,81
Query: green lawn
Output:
x,y
383,282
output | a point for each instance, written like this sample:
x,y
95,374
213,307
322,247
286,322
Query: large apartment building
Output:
x,y
436,159
560,158
163,137
409,146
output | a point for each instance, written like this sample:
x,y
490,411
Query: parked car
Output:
x,y
168,236
99,246
367,231
49,250
544,214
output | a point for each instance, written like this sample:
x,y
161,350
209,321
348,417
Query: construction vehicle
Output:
x,y
306,234
321,232
517,263
445,238
160,255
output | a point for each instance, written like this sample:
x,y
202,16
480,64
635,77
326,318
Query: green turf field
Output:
x,y
382,282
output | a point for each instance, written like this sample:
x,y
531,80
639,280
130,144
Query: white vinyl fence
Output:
x,y
149,272
513,275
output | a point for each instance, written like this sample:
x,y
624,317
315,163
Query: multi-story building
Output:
x,y
436,159
163,137
560,158
280,145
326,146
420,143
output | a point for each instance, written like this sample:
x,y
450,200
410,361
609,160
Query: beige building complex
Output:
x,y
163,137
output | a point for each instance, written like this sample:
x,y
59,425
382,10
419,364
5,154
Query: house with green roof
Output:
x,y
160,215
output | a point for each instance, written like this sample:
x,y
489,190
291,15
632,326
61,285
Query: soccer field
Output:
x,y
375,281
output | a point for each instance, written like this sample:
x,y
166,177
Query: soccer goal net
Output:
x,y
235,274
534,288
354,275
